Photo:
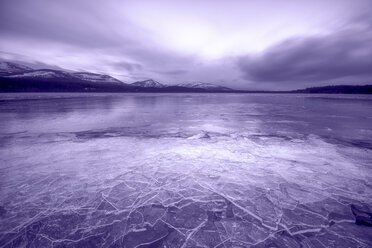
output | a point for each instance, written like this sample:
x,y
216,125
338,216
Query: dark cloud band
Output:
x,y
346,53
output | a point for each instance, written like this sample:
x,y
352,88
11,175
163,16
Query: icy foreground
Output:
x,y
185,170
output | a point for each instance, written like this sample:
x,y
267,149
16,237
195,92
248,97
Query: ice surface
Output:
x,y
185,170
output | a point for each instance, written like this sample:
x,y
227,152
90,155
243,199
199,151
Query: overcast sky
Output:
x,y
243,44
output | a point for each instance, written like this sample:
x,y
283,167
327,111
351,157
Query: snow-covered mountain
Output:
x,y
205,86
197,86
50,74
7,68
19,71
149,84
98,78
43,73
17,77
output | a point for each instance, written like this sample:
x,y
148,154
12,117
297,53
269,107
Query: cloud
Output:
x,y
73,23
135,40
173,72
127,66
346,53
80,35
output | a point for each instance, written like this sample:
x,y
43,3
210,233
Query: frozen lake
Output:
x,y
185,170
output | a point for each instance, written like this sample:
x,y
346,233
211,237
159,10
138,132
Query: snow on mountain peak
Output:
x,y
93,77
149,84
59,74
10,67
21,72
45,73
200,85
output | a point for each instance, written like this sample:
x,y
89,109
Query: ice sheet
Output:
x,y
185,170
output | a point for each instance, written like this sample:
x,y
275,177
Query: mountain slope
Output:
x,y
205,86
148,84
19,78
42,74
7,68
98,78
48,80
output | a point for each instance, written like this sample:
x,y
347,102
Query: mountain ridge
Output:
x,y
149,83
7,67
201,85
16,77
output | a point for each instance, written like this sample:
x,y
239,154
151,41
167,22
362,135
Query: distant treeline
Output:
x,y
338,89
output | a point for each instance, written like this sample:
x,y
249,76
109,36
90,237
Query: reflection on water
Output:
x,y
320,115
185,170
